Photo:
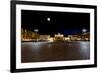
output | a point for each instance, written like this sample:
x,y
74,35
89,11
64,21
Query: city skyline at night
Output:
x,y
48,22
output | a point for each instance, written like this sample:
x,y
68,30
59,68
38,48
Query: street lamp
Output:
x,y
84,30
36,30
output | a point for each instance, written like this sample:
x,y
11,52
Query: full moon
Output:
x,y
48,19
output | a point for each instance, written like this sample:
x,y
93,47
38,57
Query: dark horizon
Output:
x,y
48,22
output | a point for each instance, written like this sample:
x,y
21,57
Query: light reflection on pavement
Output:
x,y
54,51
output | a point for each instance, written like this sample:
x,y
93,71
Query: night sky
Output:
x,y
48,22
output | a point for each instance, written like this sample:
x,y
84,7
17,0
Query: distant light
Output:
x,y
50,40
67,38
48,19
36,30
59,35
84,30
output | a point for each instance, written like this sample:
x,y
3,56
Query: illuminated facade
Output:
x,y
35,36
66,38
51,39
27,35
44,37
81,37
86,36
58,37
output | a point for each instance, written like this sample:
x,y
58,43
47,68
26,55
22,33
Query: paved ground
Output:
x,y
54,51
